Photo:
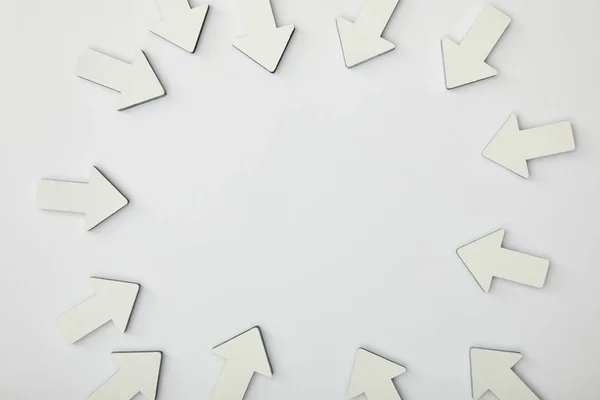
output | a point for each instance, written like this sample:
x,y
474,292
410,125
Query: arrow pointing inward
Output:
x,y
511,147
361,40
112,301
265,43
245,354
138,373
465,63
137,82
485,258
98,199
492,370
180,24
372,375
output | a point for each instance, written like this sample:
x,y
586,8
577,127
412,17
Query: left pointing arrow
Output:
x,y
180,24
112,301
98,199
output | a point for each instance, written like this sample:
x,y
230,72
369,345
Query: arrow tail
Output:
x,y
257,15
513,388
233,382
83,319
485,32
103,70
547,140
62,196
522,268
375,15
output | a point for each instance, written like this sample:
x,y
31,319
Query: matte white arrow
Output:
x,y
180,24
485,258
138,373
511,147
265,43
245,354
361,40
465,63
137,82
492,370
112,301
98,199
372,376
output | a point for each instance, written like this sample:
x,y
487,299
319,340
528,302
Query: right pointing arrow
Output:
x,y
492,370
180,24
485,258
372,375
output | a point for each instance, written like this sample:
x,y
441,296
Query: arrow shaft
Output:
x,y
513,388
257,15
233,382
375,15
83,319
485,33
385,391
103,70
547,140
519,267
172,8
62,196
117,387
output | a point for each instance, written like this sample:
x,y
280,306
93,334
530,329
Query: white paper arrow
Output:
x,y
98,199
245,355
361,40
137,82
465,63
492,370
372,376
485,258
511,147
138,373
180,24
265,43
112,301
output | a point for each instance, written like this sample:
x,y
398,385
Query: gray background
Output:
x,y
323,204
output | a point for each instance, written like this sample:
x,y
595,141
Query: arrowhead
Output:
x,y
118,297
505,149
103,200
489,369
266,47
141,85
141,370
461,68
359,45
476,256
370,370
184,29
247,349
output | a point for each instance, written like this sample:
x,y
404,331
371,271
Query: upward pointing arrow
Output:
x,y
245,354
465,63
180,24
361,40
492,370
372,375
264,43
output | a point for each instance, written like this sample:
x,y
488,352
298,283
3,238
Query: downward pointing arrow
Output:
x,y
264,43
138,373
485,258
245,354
372,375
465,63
511,147
492,370
180,24
361,40
137,82
98,199
112,301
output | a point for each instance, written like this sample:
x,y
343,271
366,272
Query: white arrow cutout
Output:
x,y
112,301
245,354
137,82
138,373
98,199
465,63
492,370
511,147
265,43
485,258
180,24
372,376
361,40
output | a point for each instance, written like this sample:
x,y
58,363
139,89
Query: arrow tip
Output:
x,y
248,348
183,30
118,297
505,149
475,256
266,47
103,200
488,367
359,45
369,371
141,369
141,86
460,68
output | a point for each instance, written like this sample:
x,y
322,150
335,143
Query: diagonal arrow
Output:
x,y
180,24
138,373
492,370
264,43
137,82
245,354
511,147
112,301
98,199
465,63
372,376
485,258
361,40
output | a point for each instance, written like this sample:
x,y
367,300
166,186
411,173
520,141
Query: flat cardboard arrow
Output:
x,y
180,24
372,376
